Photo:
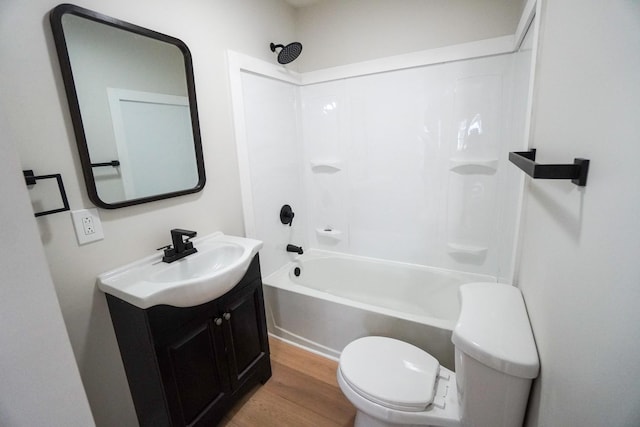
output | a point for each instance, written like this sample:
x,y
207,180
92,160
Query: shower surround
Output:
x,y
407,165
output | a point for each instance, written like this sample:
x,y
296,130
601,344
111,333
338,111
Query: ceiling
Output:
x,y
301,3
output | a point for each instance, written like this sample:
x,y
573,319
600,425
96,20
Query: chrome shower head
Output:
x,y
287,53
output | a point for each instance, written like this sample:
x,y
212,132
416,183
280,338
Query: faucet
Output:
x,y
181,247
294,248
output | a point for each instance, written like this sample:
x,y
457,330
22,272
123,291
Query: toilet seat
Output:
x,y
391,373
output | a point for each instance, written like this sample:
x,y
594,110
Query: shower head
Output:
x,y
287,53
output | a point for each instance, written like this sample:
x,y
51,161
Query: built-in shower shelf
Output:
x,y
476,166
326,165
461,249
329,233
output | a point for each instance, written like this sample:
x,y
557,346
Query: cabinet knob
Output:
x,y
217,321
227,316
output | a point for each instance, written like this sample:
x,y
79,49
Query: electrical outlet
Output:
x,y
87,224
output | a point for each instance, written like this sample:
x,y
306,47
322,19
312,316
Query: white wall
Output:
x,y
338,32
38,120
39,379
580,268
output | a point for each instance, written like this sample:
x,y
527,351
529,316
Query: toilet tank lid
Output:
x,y
494,329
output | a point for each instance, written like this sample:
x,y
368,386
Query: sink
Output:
x,y
217,257
218,266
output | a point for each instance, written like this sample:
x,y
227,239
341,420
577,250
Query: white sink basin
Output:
x,y
218,266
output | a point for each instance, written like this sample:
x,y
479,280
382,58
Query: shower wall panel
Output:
x,y
274,150
410,165
326,142
421,155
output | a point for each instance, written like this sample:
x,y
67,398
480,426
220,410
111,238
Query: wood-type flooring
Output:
x,y
302,392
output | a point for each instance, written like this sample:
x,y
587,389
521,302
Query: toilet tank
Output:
x,y
495,355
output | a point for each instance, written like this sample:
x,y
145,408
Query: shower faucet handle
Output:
x,y
286,215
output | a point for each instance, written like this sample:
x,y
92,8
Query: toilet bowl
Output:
x,y
393,383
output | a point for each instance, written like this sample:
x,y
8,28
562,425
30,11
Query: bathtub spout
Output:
x,y
294,248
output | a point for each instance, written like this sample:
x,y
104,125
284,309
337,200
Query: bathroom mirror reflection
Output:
x,y
132,99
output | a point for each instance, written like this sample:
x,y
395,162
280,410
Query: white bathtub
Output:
x,y
338,298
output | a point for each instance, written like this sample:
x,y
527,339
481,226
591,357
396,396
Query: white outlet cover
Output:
x,y
78,216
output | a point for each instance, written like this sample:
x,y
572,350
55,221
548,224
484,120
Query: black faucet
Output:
x,y
294,248
181,248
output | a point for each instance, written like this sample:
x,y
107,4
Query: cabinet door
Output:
x,y
246,334
195,374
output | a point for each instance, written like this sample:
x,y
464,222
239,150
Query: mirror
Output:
x,y
133,106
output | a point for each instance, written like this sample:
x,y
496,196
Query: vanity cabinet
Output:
x,y
188,366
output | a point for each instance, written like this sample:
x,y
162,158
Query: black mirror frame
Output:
x,y
55,18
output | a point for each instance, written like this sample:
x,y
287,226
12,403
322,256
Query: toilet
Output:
x,y
393,383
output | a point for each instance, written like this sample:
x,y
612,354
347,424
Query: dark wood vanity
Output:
x,y
188,366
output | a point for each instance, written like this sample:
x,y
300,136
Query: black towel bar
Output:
x,y
576,172
31,179
113,163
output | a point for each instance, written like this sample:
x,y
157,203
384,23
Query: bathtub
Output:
x,y
336,298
